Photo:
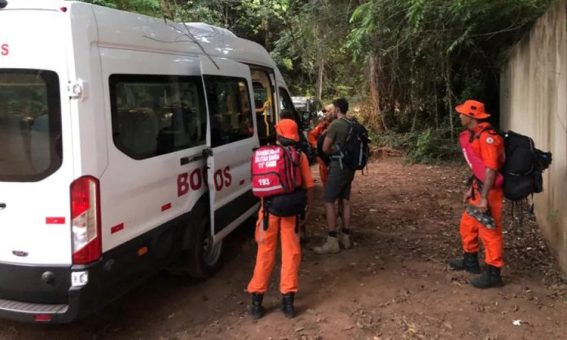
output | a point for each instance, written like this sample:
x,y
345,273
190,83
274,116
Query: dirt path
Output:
x,y
394,284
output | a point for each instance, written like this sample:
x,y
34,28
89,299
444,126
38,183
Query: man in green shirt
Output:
x,y
338,184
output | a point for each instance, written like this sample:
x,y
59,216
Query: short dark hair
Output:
x,y
342,104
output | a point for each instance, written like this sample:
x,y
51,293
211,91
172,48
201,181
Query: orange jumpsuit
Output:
x,y
490,148
268,239
313,136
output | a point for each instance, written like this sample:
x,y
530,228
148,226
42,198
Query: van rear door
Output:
x,y
232,138
35,162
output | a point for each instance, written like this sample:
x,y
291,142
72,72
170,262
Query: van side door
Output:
x,y
232,137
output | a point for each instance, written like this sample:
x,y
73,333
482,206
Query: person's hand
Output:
x,y
467,195
482,205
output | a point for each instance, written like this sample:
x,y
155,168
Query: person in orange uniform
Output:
x,y
287,228
489,147
313,137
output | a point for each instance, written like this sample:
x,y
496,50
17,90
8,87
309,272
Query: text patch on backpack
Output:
x,y
275,171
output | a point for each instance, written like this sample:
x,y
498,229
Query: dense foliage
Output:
x,y
406,61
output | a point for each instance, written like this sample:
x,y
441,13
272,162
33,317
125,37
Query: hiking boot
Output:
x,y
331,246
490,278
287,305
256,309
469,262
344,241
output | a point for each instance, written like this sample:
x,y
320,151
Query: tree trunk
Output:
x,y
449,95
266,26
373,74
320,76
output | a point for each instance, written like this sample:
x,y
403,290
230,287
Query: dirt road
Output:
x,y
394,284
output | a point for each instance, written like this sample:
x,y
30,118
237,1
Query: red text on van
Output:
x,y
223,178
4,49
190,181
195,179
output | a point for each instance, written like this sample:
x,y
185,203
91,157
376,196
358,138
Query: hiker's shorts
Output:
x,y
338,183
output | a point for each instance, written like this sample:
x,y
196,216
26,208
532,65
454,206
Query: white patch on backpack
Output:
x,y
489,140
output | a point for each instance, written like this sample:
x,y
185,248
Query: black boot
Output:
x,y
256,309
287,305
469,262
490,278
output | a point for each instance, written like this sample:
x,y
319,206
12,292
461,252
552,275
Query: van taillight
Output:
x,y
85,220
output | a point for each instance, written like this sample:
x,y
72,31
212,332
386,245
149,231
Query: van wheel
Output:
x,y
204,257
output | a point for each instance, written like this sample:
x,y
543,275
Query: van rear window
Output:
x,y
30,125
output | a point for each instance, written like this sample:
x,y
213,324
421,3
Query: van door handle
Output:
x,y
2,206
189,159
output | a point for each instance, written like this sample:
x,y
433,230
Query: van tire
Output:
x,y
202,260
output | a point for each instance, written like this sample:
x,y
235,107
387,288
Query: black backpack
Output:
x,y
523,166
354,153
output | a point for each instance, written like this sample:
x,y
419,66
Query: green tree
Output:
x,y
427,55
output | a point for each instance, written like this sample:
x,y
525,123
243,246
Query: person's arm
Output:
x,y
330,138
308,184
489,177
490,148
468,194
310,195
327,143
314,134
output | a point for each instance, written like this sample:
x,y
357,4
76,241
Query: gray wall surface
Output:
x,y
534,102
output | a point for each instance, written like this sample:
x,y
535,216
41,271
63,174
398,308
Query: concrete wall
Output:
x,y
534,102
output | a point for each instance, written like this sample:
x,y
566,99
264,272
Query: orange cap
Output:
x,y
287,128
472,108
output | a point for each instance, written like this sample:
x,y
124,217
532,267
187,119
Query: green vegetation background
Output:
x,y
404,64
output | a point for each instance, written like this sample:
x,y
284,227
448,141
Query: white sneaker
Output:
x,y
344,241
331,246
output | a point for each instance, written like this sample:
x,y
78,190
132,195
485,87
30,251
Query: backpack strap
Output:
x,y
489,128
266,216
474,136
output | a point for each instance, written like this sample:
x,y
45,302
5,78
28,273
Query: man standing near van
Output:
x,y
484,197
288,229
314,135
338,183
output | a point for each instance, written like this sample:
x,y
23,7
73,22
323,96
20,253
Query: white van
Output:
x,y
124,148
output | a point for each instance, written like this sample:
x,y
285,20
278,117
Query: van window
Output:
x,y
30,125
263,89
154,115
229,108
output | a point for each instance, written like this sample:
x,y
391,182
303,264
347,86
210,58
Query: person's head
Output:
x,y
329,112
287,132
471,112
341,106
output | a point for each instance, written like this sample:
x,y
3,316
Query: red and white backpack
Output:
x,y
275,171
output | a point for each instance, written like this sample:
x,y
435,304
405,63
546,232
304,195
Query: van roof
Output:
x,y
136,31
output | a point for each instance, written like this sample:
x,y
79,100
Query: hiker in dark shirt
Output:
x,y
338,183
